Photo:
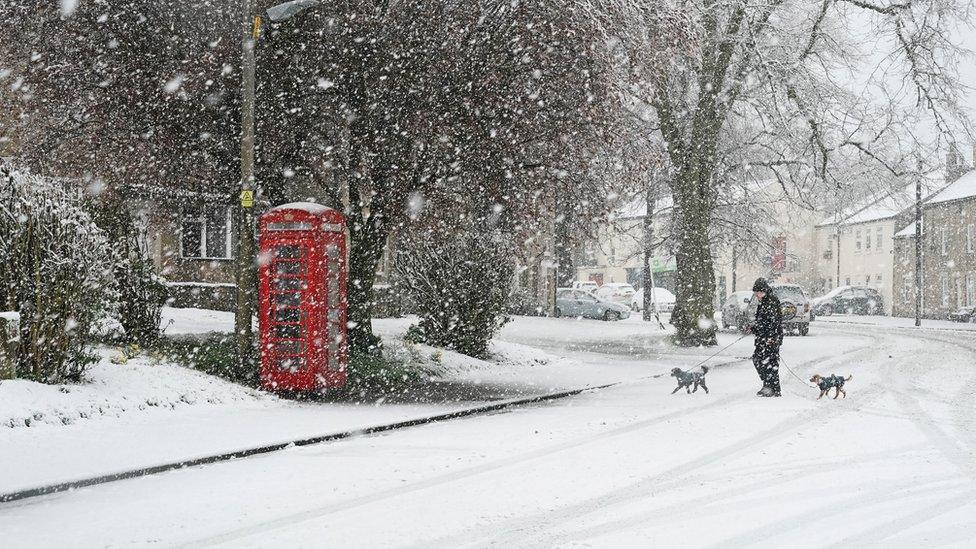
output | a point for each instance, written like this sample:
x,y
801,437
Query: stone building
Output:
x,y
948,253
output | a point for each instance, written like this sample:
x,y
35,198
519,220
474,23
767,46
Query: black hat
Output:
x,y
761,286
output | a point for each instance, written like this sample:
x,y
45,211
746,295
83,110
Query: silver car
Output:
x,y
794,304
735,309
580,303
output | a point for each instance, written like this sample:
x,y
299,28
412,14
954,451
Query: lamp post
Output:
x,y
246,276
918,245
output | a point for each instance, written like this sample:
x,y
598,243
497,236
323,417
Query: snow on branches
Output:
x,y
54,270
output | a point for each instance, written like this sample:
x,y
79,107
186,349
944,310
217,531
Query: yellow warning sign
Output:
x,y
247,199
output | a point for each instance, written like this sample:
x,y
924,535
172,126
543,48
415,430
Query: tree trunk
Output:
x,y
367,241
693,315
647,281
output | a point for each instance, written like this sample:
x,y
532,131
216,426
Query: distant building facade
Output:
x,y
948,253
616,254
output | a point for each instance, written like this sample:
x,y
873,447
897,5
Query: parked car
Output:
x,y
665,300
856,300
963,314
585,285
580,303
735,309
794,305
617,292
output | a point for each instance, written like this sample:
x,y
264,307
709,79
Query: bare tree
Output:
x,y
767,84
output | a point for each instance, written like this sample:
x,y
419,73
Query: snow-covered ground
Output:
x,y
892,465
898,322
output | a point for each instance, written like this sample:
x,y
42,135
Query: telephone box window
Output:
x,y
288,331
288,252
291,364
288,315
289,300
289,284
290,348
292,268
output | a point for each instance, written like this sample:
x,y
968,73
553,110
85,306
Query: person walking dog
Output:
x,y
768,330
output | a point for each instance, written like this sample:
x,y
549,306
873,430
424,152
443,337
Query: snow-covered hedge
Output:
x,y
55,269
459,283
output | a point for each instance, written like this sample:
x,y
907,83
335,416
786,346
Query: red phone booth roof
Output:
x,y
303,211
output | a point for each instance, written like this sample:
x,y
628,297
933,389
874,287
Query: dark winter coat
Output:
x,y
769,320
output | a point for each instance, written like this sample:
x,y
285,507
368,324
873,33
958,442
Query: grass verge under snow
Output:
x,y
148,383
113,390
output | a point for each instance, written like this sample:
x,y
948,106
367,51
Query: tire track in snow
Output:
x,y
835,509
709,500
515,532
888,529
290,520
454,476
930,428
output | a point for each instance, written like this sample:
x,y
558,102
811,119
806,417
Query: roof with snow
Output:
x,y
909,231
876,209
964,187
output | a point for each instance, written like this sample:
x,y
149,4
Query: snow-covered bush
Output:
x,y
55,269
142,292
459,281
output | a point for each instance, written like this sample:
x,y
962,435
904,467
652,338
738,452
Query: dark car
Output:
x,y
963,314
852,300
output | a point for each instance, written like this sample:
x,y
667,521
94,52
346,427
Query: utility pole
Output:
x,y
838,252
918,244
246,276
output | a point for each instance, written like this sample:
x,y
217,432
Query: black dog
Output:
x,y
830,382
687,379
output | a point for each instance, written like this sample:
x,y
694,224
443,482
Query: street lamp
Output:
x,y
246,246
287,10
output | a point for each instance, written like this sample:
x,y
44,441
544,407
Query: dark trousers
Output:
x,y
766,360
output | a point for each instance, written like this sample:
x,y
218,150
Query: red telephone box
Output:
x,y
302,298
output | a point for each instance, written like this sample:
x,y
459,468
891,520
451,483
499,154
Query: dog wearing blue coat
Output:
x,y
830,382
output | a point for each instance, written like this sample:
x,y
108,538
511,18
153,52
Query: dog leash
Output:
x,y
790,370
702,363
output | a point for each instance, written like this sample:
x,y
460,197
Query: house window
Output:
x,y
857,241
847,281
206,233
970,230
943,240
867,240
867,280
878,234
877,279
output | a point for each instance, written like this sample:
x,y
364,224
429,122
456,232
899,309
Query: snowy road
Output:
x,y
892,465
